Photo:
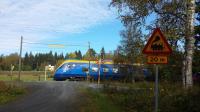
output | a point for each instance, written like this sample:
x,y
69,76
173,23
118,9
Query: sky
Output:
x,y
58,25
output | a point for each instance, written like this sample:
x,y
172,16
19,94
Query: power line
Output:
x,y
49,44
8,40
5,46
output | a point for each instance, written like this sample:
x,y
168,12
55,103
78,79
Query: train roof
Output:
x,y
84,61
87,61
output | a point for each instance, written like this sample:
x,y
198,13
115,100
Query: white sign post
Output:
x,y
11,71
48,68
45,73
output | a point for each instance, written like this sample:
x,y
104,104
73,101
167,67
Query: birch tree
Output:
x,y
181,14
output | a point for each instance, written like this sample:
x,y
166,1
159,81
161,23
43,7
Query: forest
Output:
x,y
37,62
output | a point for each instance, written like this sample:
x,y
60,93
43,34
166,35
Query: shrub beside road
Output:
x,y
138,98
9,92
96,101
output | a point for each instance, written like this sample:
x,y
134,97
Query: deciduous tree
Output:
x,y
181,11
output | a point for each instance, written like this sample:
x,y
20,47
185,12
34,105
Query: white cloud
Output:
x,y
40,19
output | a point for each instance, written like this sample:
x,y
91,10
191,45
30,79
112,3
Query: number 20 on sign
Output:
x,y
157,60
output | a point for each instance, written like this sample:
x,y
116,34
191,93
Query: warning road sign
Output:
x,y
157,59
157,49
157,44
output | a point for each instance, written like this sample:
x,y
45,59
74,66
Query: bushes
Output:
x,y
9,92
95,101
172,98
180,100
132,100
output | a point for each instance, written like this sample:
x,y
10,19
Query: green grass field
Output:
x,y
10,91
95,101
25,76
139,97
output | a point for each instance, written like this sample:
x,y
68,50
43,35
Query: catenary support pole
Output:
x,y
99,76
89,61
20,59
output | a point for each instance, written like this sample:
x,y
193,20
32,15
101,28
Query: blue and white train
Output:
x,y
78,69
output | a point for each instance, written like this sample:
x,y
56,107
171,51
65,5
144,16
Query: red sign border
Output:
x,y
144,51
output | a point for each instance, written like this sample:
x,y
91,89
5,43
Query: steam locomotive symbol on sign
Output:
x,y
157,44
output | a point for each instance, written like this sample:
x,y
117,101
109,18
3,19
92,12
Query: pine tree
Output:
x,y
90,54
55,56
67,56
31,60
79,55
102,53
26,59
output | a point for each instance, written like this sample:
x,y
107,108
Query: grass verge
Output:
x,y
9,92
139,97
24,77
96,101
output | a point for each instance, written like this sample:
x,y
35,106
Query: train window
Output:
x,y
115,70
65,68
73,65
94,69
105,69
85,69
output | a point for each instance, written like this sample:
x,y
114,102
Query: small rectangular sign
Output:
x,y
157,59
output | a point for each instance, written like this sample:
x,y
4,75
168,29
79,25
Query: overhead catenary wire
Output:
x,y
38,46
50,46
47,44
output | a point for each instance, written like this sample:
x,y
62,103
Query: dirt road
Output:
x,y
48,97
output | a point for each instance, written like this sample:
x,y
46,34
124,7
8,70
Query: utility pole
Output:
x,y
156,89
99,76
89,61
20,58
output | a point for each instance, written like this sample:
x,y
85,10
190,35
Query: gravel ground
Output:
x,y
48,97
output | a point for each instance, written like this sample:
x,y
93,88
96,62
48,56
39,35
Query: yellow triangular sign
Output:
x,y
157,44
